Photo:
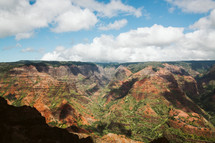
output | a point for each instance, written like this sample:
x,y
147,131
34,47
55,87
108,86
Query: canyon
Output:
x,y
117,102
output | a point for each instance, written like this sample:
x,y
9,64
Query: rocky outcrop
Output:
x,y
191,123
122,73
122,91
141,105
27,86
176,69
114,138
169,86
26,125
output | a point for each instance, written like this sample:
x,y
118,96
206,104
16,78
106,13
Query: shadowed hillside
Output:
x,y
128,102
26,125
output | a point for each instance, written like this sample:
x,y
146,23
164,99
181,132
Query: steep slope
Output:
x,y
26,86
132,101
59,93
26,125
207,93
152,103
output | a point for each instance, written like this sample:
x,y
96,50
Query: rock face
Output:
x,y
206,85
113,138
169,90
122,73
26,125
45,89
112,102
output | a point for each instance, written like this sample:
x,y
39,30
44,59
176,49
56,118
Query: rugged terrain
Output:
x,y
130,102
26,125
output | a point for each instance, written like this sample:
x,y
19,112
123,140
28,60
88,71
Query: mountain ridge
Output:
x,y
162,99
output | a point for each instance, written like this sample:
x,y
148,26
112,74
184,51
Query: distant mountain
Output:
x,y
129,102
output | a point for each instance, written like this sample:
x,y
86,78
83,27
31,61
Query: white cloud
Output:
x,y
194,6
28,50
143,44
20,36
116,25
156,43
19,18
110,9
156,35
74,20
8,4
207,22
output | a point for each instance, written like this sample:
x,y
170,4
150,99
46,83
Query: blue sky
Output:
x,y
107,30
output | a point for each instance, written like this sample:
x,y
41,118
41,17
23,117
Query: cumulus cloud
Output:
x,y
207,22
193,6
155,43
116,25
20,18
143,44
108,10
156,35
74,20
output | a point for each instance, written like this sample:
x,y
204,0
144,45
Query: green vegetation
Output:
x,y
135,67
177,135
143,120
108,65
18,102
192,66
6,67
58,124
53,63
128,118
206,101
200,66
